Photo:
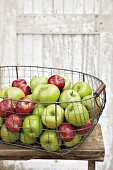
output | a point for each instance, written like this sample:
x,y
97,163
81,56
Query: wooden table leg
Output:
x,y
91,165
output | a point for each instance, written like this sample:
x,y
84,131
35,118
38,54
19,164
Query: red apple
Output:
x,y
18,82
84,129
7,107
66,132
13,123
25,88
24,106
57,80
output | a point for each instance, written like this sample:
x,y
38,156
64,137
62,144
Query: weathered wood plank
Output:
x,y
106,22
106,7
57,24
91,165
28,51
78,7
28,6
8,32
20,7
20,47
97,6
37,50
64,24
1,31
48,6
89,6
58,7
68,7
37,7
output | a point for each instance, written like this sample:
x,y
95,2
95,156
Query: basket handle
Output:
x,y
100,89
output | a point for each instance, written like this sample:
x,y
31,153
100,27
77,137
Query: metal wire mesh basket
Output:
x,y
36,112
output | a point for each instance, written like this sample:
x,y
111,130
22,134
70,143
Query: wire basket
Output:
x,y
46,117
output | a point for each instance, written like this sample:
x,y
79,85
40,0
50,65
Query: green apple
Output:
x,y
35,92
68,96
37,80
49,141
27,139
92,104
24,116
1,97
76,114
67,81
8,136
75,140
29,96
1,121
38,109
32,126
14,93
52,116
49,93
2,91
83,88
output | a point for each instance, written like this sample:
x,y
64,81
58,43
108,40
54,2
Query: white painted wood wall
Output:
x,y
86,51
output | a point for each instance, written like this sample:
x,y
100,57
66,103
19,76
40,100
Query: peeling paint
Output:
x,y
89,53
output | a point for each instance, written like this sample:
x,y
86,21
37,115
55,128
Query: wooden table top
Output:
x,y
91,149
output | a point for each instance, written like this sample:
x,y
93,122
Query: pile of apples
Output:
x,y
50,112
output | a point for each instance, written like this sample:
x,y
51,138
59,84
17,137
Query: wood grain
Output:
x,y
91,165
57,24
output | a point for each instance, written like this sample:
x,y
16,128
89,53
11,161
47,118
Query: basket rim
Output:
x,y
62,69
56,68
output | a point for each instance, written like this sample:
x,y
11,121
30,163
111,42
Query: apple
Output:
x,y
52,116
49,93
24,116
37,80
0,93
7,107
67,81
27,139
29,96
68,96
13,123
32,126
25,88
1,121
66,132
38,109
18,82
83,130
35,93
1,99
14,93
49,141
76,114
92,104
57,80
83,88
3,91
24,106
8,136
73,142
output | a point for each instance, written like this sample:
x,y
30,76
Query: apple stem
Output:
x,y
72,93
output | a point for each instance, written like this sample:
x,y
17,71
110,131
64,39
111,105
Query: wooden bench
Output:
x,y
91,150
